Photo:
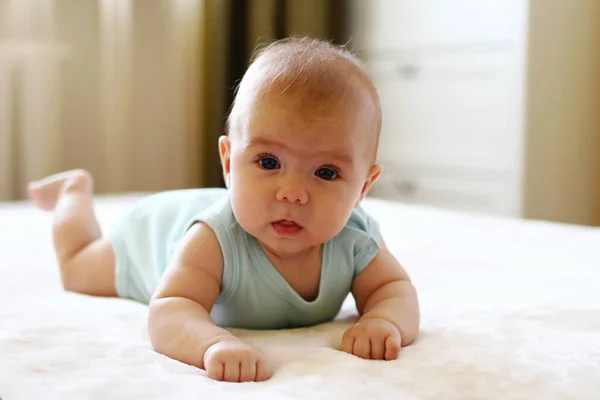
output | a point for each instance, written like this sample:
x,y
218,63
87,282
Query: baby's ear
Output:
x,y
225,153
372,176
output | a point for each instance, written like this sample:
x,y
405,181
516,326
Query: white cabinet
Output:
x,y
455,83
383,24
445,108
469,189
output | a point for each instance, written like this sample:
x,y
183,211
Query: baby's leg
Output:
x,y
87,261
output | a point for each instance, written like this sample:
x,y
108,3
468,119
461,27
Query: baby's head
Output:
x,y
301,146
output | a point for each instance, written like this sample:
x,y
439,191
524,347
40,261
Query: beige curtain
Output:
x,y
301,17
113,86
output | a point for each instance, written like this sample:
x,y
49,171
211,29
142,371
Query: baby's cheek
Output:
x,y
246,209
332,220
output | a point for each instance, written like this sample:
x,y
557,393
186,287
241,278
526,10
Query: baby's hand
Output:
x,y
236,361
375,339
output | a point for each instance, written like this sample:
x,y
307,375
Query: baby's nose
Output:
x,y
292,192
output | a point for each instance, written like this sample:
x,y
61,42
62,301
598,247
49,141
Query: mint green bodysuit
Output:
x,y
253,294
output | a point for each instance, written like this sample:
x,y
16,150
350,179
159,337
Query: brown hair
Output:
x,y
314,74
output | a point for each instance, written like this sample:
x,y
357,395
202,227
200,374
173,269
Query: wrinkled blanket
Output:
x,y
510,310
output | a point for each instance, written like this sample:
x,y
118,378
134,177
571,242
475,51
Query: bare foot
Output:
x,y
46,191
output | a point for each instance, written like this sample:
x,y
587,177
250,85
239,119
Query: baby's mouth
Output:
x,y
285,227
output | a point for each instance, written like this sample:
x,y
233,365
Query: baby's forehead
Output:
x,y
313,79
337,135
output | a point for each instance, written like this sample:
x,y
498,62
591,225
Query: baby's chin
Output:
x,y
287,246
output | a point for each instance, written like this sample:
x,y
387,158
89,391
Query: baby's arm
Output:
x,y
389,308
179,321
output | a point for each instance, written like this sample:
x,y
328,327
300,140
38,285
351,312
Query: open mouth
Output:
x,y
285,227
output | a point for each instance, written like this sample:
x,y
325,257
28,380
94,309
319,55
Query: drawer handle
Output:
x,y
405,188
408,71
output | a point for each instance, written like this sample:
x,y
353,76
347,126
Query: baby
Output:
x,y
281,247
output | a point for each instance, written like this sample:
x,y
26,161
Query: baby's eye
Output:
x,y
268,162
327,173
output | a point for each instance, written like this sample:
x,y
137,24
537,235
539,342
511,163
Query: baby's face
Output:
x,y
295,179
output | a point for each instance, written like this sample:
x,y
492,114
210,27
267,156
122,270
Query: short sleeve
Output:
x,y
366,238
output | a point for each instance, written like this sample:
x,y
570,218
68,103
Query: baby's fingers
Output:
x,y
248,371
347,342
392,348
232,371
377,348
215,370
362,347
263,371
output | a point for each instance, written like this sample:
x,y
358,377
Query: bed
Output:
x,y
510,310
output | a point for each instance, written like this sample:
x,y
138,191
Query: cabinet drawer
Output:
x,y
449,109
462,189
385,24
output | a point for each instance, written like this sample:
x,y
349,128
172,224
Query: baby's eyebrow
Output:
x,y
339,156
262,141
342,157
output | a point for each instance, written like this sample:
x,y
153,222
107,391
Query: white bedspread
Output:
x,y
510,310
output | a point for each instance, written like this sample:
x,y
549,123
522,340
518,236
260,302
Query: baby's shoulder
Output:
x,y
359,240
200,249
361,223
220,219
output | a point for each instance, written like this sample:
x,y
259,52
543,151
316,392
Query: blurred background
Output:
x,y
489,105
